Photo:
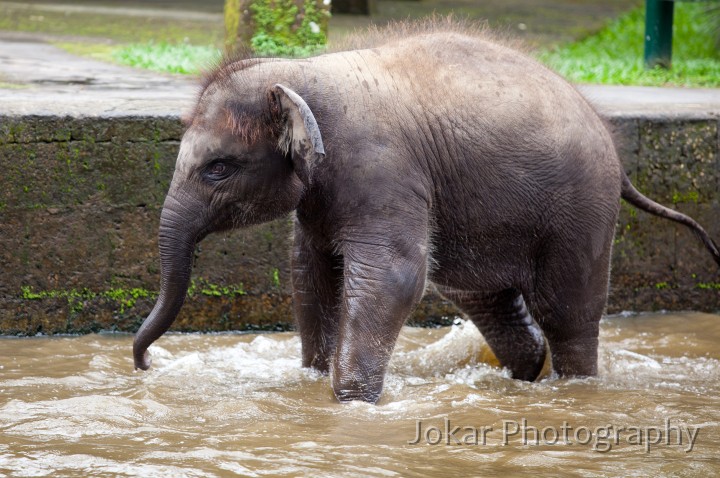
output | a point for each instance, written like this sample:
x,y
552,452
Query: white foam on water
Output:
x,y
619,367
626,359
273,361
461,343
265,362
471,399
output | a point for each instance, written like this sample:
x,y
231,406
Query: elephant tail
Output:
x,y
634,197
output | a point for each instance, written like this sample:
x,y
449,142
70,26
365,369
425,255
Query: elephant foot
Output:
x,y
520,348
527,368
575,358
351,386
504,321
345,395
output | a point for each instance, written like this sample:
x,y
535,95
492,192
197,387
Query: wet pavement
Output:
x,y
37,78
41,79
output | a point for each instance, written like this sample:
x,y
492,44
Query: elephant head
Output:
x,y
245,159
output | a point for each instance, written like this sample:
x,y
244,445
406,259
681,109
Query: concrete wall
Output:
x,y
80,200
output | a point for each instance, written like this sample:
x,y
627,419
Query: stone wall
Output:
x,y
80,201
658,264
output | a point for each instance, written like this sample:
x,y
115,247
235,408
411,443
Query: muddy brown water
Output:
x,y
241,405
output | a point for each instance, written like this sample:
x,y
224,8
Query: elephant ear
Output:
x,y
301,135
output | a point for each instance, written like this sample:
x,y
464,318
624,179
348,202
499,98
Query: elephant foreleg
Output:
x,y
317,287
384,279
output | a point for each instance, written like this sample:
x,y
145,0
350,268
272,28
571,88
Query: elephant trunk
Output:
x,y
179,232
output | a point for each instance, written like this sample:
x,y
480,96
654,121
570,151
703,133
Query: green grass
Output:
x,y
96,51
11,86
120,29
167,57
614,56
159,56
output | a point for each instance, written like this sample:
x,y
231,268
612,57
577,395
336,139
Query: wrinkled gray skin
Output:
x,y
442,158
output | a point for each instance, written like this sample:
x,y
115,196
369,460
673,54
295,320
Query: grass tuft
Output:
x,y
166,57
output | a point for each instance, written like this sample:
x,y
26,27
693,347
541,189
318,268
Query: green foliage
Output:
x,y
28,294
275,277
203,287
125,298
686,197
277,32
167,57
615,54
708,285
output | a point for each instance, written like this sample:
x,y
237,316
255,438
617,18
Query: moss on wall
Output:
x,y
284,28
80,202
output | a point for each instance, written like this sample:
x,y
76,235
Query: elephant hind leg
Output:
x,y
568,303
572,334
510,331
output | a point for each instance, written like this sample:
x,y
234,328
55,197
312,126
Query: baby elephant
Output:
x,y
437,156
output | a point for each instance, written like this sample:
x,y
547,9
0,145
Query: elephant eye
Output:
x,y
217,171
